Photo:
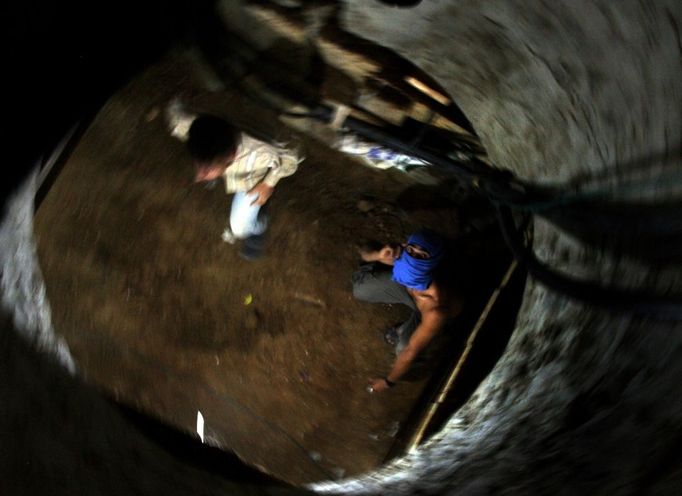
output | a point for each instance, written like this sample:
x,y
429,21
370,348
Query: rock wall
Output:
x,y
563,93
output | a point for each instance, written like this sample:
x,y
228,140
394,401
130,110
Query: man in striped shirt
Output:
x,y
251,169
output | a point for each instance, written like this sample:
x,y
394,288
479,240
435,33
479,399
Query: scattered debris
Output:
x,y
393,428
374,437
376,155
310,299
200,425
338,472
315,456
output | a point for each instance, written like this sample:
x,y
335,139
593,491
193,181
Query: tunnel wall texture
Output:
x,y
561,93
583,400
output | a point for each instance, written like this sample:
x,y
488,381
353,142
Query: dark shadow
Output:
x,y
42,399
641,165
488,347
61,69
649,232
191,452
447,194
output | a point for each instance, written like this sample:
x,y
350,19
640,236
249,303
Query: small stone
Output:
x,y
338,472
365,205
315,456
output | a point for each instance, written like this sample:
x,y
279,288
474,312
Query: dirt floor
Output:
x,y
166,317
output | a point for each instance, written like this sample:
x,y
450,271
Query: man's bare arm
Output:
x,y
386,255
432,322
261,192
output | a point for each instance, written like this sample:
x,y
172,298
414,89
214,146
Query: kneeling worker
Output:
x,y
411,282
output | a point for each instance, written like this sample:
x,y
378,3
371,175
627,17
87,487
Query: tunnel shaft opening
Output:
x,y
190,363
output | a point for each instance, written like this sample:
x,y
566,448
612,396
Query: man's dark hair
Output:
x,y
211,138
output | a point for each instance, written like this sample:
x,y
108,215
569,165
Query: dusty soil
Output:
x,y
165,317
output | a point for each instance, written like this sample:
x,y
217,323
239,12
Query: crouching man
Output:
x,y
251,169
412,281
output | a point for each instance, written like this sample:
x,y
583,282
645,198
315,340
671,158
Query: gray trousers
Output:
x,y
372,283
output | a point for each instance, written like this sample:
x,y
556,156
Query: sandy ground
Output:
x,y
275,354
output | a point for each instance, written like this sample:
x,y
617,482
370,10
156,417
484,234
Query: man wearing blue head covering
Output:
x,y
412,281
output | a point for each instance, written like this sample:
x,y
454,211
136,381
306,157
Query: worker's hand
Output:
x,y
389,254
261,193
386,255
377,385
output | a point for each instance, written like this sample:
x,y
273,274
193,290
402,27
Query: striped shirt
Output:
x,y
258,161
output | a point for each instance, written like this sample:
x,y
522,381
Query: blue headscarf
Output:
x,y
414,272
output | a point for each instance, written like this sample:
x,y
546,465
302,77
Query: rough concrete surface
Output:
x,y
584,400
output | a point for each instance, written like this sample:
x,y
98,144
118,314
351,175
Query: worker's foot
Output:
x,y
391,336
228,236
252,247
